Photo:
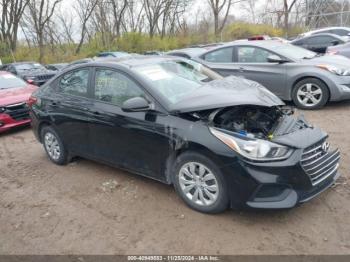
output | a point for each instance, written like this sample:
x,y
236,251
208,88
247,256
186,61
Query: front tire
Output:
x,y
53,146
310,93
200,183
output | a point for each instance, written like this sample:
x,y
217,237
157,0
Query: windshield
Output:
x,y
10,81
173,80
294,52
29,66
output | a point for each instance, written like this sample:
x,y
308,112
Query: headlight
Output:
x,y
2,109
335,70
255,149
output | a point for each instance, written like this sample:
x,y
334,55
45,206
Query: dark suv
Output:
x,y
220,141
32,72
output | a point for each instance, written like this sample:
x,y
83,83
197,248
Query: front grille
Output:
x,y
44,77
319,163
17,111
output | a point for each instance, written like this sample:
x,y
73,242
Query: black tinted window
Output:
x,y
320,40
341,32
223,55
75,83
114,87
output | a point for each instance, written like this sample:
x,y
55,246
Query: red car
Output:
x,y
14,95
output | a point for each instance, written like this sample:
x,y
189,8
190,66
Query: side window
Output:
x,y
341,32
114,87
320,40
223,55
75,83
249,54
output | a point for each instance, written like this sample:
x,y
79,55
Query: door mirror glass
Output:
x,y
136,104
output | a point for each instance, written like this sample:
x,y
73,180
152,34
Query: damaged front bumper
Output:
x,y
306,173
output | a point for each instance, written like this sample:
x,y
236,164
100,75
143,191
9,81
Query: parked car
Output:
x,y
339,30
112,54
14,95
290,72
319,43
343,50
56,67
32,72
187,52
222,142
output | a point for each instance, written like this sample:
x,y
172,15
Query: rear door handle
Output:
x,y
241,69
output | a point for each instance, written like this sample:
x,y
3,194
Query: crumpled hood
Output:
x,y
229,91
335,60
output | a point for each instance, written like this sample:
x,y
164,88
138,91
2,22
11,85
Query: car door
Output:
x,y
221,61
254,65
131,140
68,106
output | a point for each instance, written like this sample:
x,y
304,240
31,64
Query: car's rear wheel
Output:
x,y
200,183
54,146
310,93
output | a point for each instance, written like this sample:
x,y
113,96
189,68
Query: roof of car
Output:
x,y
23,62
320,34
191,51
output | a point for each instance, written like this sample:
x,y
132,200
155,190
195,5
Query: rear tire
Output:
x,y
200,183
53,146
310,93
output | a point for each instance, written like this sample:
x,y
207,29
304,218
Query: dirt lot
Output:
x,y
49,209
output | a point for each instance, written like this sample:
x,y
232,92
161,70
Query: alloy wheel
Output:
x,y
198,184
309,94
52,146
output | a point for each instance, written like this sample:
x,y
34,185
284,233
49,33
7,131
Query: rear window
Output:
x,y
10,81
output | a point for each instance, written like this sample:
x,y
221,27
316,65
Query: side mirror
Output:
x,y
335,42
136,104
275,59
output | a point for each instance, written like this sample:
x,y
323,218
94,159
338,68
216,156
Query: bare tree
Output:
x,y
287,8
220,8
38,16
154,9
12,12
84,9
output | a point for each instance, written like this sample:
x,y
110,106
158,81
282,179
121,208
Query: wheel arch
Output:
x,y
188,147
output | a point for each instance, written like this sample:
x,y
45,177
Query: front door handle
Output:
x,y
54,103
241,69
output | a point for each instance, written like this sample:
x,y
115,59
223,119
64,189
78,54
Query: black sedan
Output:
x,y
222,142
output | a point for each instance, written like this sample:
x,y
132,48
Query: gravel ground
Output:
x,y
89,208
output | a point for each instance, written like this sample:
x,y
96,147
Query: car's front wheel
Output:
x,y
200,183
54,146
310,93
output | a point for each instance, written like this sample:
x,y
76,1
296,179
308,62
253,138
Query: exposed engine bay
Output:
x,y
256,121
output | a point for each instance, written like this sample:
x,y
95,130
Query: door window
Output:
x,y
341,32
223,55
250,54
320,40
75,83
114,87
